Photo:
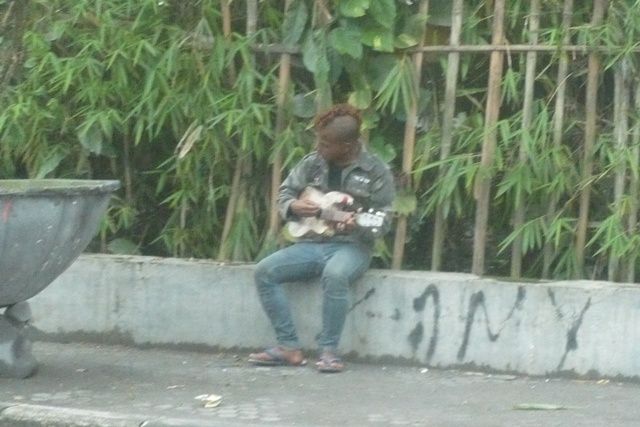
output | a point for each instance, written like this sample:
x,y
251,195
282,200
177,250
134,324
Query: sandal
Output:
x,y
329,363
278,356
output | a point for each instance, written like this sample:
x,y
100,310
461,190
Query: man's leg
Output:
x,y
300,261
347,263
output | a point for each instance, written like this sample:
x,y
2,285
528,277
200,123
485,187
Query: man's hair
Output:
x,y
324,119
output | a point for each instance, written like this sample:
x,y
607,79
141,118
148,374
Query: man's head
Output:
x,y
337,132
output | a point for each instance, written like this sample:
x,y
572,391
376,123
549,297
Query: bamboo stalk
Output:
x,y
593,75
558,122
238,186
527,117
226,31
409,147
621,127
126,161
453,65
237,172
634,186
11,54
252,17
226,16
276,171
234,194
482,187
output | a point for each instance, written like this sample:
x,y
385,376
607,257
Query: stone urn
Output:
x,y
44,225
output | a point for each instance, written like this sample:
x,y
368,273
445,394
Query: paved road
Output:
x,y
81,384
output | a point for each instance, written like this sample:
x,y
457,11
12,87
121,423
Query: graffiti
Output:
x,y
477,300
572,334
366,296
552,297
416,336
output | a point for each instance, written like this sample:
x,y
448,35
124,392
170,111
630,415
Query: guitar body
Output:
x,y
332,207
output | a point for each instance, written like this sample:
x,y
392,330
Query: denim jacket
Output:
x,y
368,180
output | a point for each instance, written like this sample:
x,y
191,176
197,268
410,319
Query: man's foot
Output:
x,y
278,356
329,362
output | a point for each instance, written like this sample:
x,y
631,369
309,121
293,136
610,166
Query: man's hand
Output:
x,y
304,208
346,226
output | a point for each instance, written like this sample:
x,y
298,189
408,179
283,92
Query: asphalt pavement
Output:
x,y
101,385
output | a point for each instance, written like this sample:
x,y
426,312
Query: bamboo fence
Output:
x,y
625,177
497,49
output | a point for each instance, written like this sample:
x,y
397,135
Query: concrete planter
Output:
x,y
44,225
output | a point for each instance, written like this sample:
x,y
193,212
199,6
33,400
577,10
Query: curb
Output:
x,y
28,415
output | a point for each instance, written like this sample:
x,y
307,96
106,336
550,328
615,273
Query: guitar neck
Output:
x,y
335,215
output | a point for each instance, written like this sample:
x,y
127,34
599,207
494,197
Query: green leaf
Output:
x,y
384,12
414,27
378,37
90,138
347,41
405,40
304,105
405,202
310,54
378,69
386,152
354,8
361,98
50,164
294,24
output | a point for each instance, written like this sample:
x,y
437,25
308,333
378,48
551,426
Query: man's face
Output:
x,y
331,149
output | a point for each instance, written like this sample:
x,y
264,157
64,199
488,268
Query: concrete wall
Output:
x,y
582,328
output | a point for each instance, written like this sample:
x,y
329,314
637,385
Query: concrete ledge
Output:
x,y
445,320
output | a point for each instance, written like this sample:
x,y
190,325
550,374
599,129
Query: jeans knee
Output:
x,y
335,285
260,275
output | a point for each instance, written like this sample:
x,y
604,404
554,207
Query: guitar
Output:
x,y
333,209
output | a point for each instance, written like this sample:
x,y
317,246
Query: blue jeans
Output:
x,y
337,264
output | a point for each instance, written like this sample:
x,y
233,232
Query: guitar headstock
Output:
x,y
370,219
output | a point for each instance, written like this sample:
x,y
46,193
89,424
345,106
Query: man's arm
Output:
x,y
289,206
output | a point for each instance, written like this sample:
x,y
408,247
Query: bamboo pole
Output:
x,y
622,91
237,196
453,65
226,32
237,171
558,123
408,148
11,53
234,192
634,186
527,117
593,75
284,76
482,185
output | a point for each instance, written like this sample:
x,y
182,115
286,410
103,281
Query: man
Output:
x,y
339,257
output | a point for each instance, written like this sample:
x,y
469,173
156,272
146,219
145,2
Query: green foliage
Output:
x,y
154,94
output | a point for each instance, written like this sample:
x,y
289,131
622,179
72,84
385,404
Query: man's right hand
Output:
x,y
304,208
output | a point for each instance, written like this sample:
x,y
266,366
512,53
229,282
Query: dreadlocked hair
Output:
x,y
323,119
